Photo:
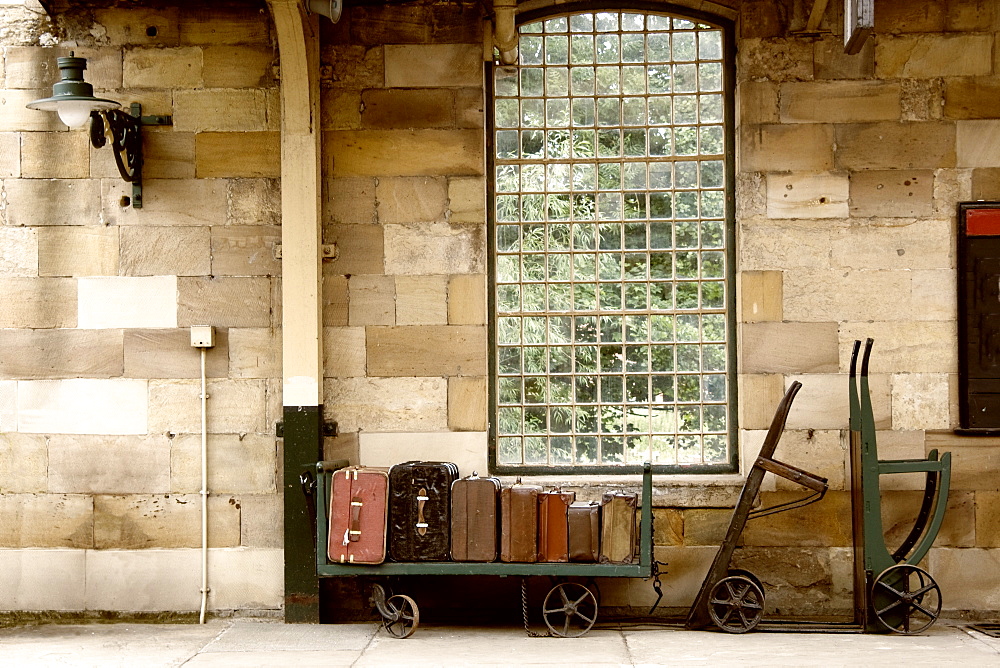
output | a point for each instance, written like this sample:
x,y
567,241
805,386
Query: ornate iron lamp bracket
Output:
x,y
126,141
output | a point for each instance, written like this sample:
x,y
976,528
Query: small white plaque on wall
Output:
x,y
112,302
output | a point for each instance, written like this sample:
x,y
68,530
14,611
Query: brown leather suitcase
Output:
x,y
420,510
618,528
584,531
519,523
553,525
474,514
358,502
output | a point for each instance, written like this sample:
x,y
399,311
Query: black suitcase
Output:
x,y
420,510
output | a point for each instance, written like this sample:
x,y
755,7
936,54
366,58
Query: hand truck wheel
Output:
x,y
906,599
400,614
569,610
736,604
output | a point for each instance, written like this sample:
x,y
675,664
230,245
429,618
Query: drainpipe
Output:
x,y
504,31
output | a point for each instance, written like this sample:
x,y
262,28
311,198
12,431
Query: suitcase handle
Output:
x,y
353,534
422,498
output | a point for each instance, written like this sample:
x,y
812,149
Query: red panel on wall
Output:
x,y
982,222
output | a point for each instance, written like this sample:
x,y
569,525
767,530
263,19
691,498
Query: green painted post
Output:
x,y
303,448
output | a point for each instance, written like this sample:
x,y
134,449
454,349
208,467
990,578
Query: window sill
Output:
x,y
669,491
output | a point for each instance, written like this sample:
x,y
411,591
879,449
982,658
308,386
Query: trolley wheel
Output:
x,y
736,604
569,610
403,617
747,574
906,599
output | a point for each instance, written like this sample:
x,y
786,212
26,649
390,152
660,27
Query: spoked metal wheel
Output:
x,y
400,614
569,610
906,599
736,604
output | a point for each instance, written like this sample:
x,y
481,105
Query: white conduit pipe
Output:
x,y
504,31
204,490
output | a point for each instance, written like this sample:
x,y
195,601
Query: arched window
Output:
x,y
612,246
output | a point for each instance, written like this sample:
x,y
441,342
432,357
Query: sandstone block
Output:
x,y
23,463
921,99
822,403
901,445
19,250
245,250
234,24
167,353
444,65
254,353
261,520
10,154
971,98
839,101
705,526
895,146
82,406
831,62
335,308
236,465
467,299
224,302
414,25
354,66
750,443
38,303
47,579
34,66
179,67
340,109
758,102
796,148
220,110
782,245
977,143
807,195
975,463
466,200
14,116
973,575
8,405
344,352
143,580
470,108
246,579
467,404
37,202
412,199
388,405
117,301
775,59
343,446
759,396
254,202
893,243
827,521
668,527
860,295
372,300
133,27
899,508
228,154
427,350
797,578
926,56
234,407
141,521
38,149
760,296
987,519
391,108
950,186
986,183
916,347
46,520
60,353
78,251
790,347
822,453
427,152
239,66
158,251
893,193
466,449
169,202
435,248
920,401
421,300
351,200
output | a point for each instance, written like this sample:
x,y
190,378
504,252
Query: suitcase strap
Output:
x,y
353,534
422,499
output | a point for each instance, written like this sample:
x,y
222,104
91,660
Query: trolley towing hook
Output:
x,y
308,481
657,585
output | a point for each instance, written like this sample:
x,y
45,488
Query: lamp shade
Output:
x,y
72,97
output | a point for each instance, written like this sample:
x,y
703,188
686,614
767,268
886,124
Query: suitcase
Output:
x,y
585,531
358,501
618,528
553,525
474,506
519,523
420,510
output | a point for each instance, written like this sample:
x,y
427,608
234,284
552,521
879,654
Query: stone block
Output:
x,y
435,248
78,251
353,66
16,117
796,148
33,66
467,299
351,200
758,102
261,520
892,193
343,446
48,579
142,521
986,183
750,443
900,508
927,56
149,580
798,578
39,148
467,404
82,406
46,520
895,146
23,463
229,154
839,101
220,110
421,300
782,245
372,300
470,108
224,302
232,24
900,445
705,526
427,350
179,67
921,99
237,464
8,405
971,16
414,25
836,295
668,527
807,195
159,251
971,98
412,199
987,518
971,576
466,449
921,401
822,403
254,353
908,18
335,307
234,407
169,202
760,296
38,303
466,200
822,453
388,405
60,353
830,61
38,202
340,109
828,522
19,250
109,302
359,249
893,243
977,143
239,66
246,579
975,462
134,26
789,347
245,250
167,353
344,352
759,396
915,347
775,59
254,202
10,154
950,186
394,108
442,65
426,152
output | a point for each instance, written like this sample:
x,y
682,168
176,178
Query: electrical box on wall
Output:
x,y
203,336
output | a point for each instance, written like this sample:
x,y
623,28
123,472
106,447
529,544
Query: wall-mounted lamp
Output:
x,y
73,99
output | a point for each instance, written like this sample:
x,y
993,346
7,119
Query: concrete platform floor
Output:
x,y
250,643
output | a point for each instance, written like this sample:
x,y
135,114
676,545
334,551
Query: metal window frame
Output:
x,y
729,130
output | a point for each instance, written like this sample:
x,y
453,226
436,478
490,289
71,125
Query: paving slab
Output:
x,y
259,636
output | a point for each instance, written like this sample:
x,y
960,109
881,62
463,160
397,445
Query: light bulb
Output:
x,y
74,113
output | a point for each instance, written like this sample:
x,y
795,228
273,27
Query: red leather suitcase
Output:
x,y
585,531
519,523
358,502
474,506
553,525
